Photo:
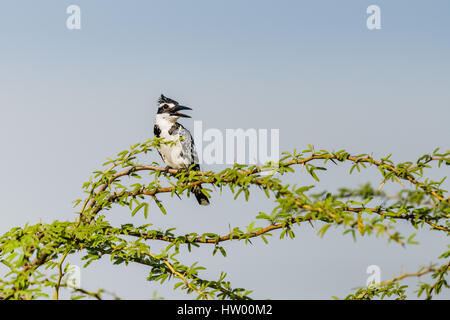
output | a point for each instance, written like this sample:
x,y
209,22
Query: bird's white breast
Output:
x,y
171,154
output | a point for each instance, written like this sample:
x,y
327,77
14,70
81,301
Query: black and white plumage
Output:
x,y
182,154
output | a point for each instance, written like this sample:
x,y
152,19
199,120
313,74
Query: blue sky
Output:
x,y
71,98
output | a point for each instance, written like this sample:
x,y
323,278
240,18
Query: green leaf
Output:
x,y
137,209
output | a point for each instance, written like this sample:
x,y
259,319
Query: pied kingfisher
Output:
x,y
182,154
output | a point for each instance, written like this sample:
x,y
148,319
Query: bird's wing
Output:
x,y
188,146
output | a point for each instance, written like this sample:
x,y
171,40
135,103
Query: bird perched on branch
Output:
x,y
182,154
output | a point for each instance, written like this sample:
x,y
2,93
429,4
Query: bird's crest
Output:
x,y
164,99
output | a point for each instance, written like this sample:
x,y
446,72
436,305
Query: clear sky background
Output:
x,y
71,98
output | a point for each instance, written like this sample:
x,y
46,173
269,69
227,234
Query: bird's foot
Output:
x,y
166,169
181,171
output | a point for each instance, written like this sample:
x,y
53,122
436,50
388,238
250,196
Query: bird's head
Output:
x,y
170,109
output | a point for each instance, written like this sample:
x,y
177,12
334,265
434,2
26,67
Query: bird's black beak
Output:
x,y
174,111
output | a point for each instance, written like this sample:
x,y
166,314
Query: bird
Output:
x,y
182,154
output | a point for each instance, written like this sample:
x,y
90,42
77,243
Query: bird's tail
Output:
x,y
201,198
